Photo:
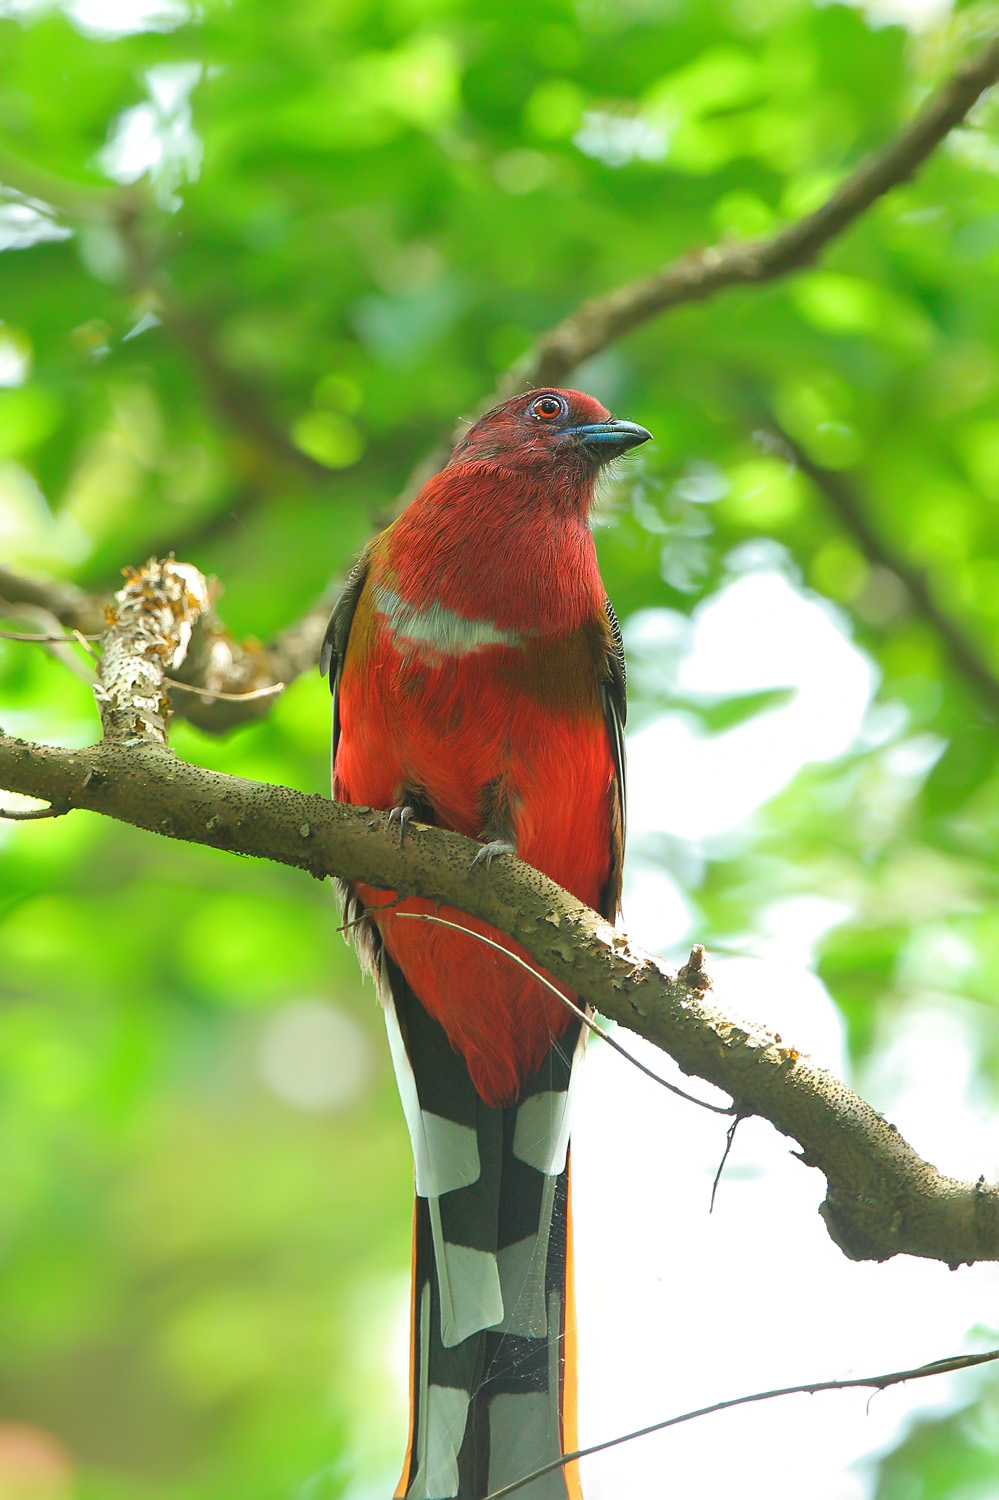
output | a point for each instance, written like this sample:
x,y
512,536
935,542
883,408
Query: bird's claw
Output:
x,y
491,851
401,815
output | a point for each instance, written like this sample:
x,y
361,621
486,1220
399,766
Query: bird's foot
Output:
x,y
491,851
401,815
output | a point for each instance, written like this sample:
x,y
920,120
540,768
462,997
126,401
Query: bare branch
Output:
x,y
71,605
76,639
34,814
696,276
864,1382
234,681
222,682
212,695
129,211
699,275
846,503
239,401
729,1139
882,1199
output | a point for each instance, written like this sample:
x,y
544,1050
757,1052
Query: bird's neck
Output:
x,y
494,545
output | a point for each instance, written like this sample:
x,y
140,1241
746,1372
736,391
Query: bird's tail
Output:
x,y
493,1374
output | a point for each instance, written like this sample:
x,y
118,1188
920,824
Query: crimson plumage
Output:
x,y
479,681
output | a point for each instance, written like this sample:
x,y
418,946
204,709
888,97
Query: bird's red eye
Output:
x,y
547,408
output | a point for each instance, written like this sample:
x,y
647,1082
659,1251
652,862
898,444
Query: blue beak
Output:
x,y
607,440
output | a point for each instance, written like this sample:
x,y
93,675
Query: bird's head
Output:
x,y
549,432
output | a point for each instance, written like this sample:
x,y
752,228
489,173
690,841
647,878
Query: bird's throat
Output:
x,y
474,565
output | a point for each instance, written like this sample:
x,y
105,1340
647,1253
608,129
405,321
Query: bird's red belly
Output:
x,y
460,735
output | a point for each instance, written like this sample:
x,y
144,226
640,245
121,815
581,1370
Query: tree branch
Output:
x,y
238,400
130,211
34,814
585,332
845,502
66,602
882,1199
694,277
222,682
247,677
861,1382
698,275
87,202
241,402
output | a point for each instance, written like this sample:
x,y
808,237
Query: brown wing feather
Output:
x,y
614,700
334,647
362,933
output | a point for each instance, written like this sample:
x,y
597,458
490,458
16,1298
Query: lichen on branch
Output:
x,y
149,629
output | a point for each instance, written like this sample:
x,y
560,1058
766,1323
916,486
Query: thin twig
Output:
x,y
729,1138
210,694
85,642
363,916
878,1382
48,636
598,1030
35,814
76,639
844,499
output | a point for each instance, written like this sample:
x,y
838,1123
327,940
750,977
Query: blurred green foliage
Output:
x,y
257,260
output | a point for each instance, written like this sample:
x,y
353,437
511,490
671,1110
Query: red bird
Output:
x,y
478,683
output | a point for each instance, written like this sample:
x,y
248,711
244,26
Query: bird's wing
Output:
x,y
334,647
614,699
363,933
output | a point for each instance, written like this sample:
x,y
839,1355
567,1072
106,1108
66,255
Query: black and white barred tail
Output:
x,y
493,1346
